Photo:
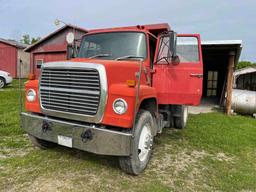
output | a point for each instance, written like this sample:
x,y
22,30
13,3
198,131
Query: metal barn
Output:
x,y
11,52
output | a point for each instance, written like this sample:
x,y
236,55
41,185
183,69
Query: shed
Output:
x,y
220,59
245,78
53,47
11,52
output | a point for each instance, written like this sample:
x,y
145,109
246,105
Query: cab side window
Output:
x,y
163,51
187,49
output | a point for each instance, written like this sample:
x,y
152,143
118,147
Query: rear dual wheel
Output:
x,y
181,118
142,145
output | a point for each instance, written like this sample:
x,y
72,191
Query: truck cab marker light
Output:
x,y
131,83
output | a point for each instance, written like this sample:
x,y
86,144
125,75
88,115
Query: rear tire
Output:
x,y
42,144
142,145
180,121
2,82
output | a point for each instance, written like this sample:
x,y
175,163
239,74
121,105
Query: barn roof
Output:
x,y
14,43
54,33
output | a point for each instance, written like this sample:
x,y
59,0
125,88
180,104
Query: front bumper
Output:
x,y
102,141
9,79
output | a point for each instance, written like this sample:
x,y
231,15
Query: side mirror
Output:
x,y
172,47
70,52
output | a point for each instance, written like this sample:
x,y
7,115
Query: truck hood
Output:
x,y
117,71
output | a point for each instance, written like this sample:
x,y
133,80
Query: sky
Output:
x,y
212,19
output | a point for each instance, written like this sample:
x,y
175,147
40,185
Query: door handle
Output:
x,y
198,75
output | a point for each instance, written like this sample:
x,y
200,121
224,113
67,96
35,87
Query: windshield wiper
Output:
x,y
129,57
100,55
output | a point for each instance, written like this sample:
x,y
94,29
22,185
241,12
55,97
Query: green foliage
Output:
x,y
34,40
27,40
243,64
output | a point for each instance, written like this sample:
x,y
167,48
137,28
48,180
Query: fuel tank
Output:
x,y
243,101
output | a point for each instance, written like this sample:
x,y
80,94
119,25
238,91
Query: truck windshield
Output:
x,y
114,46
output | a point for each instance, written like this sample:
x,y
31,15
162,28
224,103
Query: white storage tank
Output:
x,y
244,101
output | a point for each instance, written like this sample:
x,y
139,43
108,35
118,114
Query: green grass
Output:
x,y
9,109
214,153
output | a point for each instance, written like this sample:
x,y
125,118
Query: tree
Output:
x,y
34,40
26,39
243,64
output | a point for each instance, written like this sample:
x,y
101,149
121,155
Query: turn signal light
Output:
x,y
31,76
131,83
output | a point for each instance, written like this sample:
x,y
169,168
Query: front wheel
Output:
x,y
180,121
2,82
142,145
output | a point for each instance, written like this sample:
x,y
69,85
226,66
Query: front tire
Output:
x,y
2,82
42,144
180,121
142,145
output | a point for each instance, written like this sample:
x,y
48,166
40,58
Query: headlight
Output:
x,y
31,95
120,106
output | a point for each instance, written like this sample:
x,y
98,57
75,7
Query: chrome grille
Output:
x,y
70,90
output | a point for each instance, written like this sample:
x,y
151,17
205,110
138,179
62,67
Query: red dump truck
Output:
x,y
124,86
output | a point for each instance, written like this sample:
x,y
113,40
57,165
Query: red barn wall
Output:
x,y
51,49
48,57
8,59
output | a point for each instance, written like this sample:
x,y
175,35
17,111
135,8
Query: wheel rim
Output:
x,y
185,116
145,143
1,83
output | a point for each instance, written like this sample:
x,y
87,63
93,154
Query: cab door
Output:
x,y
179,82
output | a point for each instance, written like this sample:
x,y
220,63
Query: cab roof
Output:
x,y
155,29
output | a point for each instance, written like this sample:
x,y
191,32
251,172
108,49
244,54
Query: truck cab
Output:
x,y
125,85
